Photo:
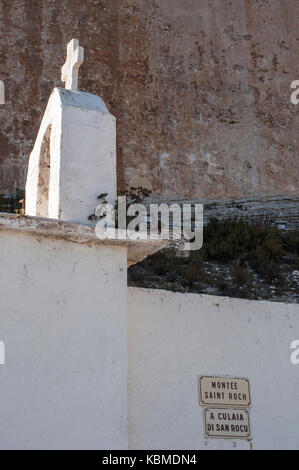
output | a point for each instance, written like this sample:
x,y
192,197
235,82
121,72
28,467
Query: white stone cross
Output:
x,y
2,93
69,71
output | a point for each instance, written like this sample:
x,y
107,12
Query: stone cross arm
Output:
x,y
70,69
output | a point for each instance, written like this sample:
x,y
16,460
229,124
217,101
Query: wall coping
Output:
x,y
78,233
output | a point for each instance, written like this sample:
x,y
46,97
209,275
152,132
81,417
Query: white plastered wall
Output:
x,y
63,323
174,338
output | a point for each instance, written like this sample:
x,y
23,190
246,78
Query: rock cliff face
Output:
x,y
200,89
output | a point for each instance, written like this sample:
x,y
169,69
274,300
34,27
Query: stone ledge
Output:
x,y
78,233
270,210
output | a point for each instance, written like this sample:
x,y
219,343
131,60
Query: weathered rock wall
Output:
x,y
280,211
200,89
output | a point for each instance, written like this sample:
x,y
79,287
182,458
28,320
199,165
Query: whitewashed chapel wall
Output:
x,y
173,338
64,382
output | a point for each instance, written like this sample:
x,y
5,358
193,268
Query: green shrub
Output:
x,y
235,240
241,275
246,250
290,241
194,273
11,203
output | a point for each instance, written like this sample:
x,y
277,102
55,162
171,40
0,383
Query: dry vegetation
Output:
x,y
237,259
